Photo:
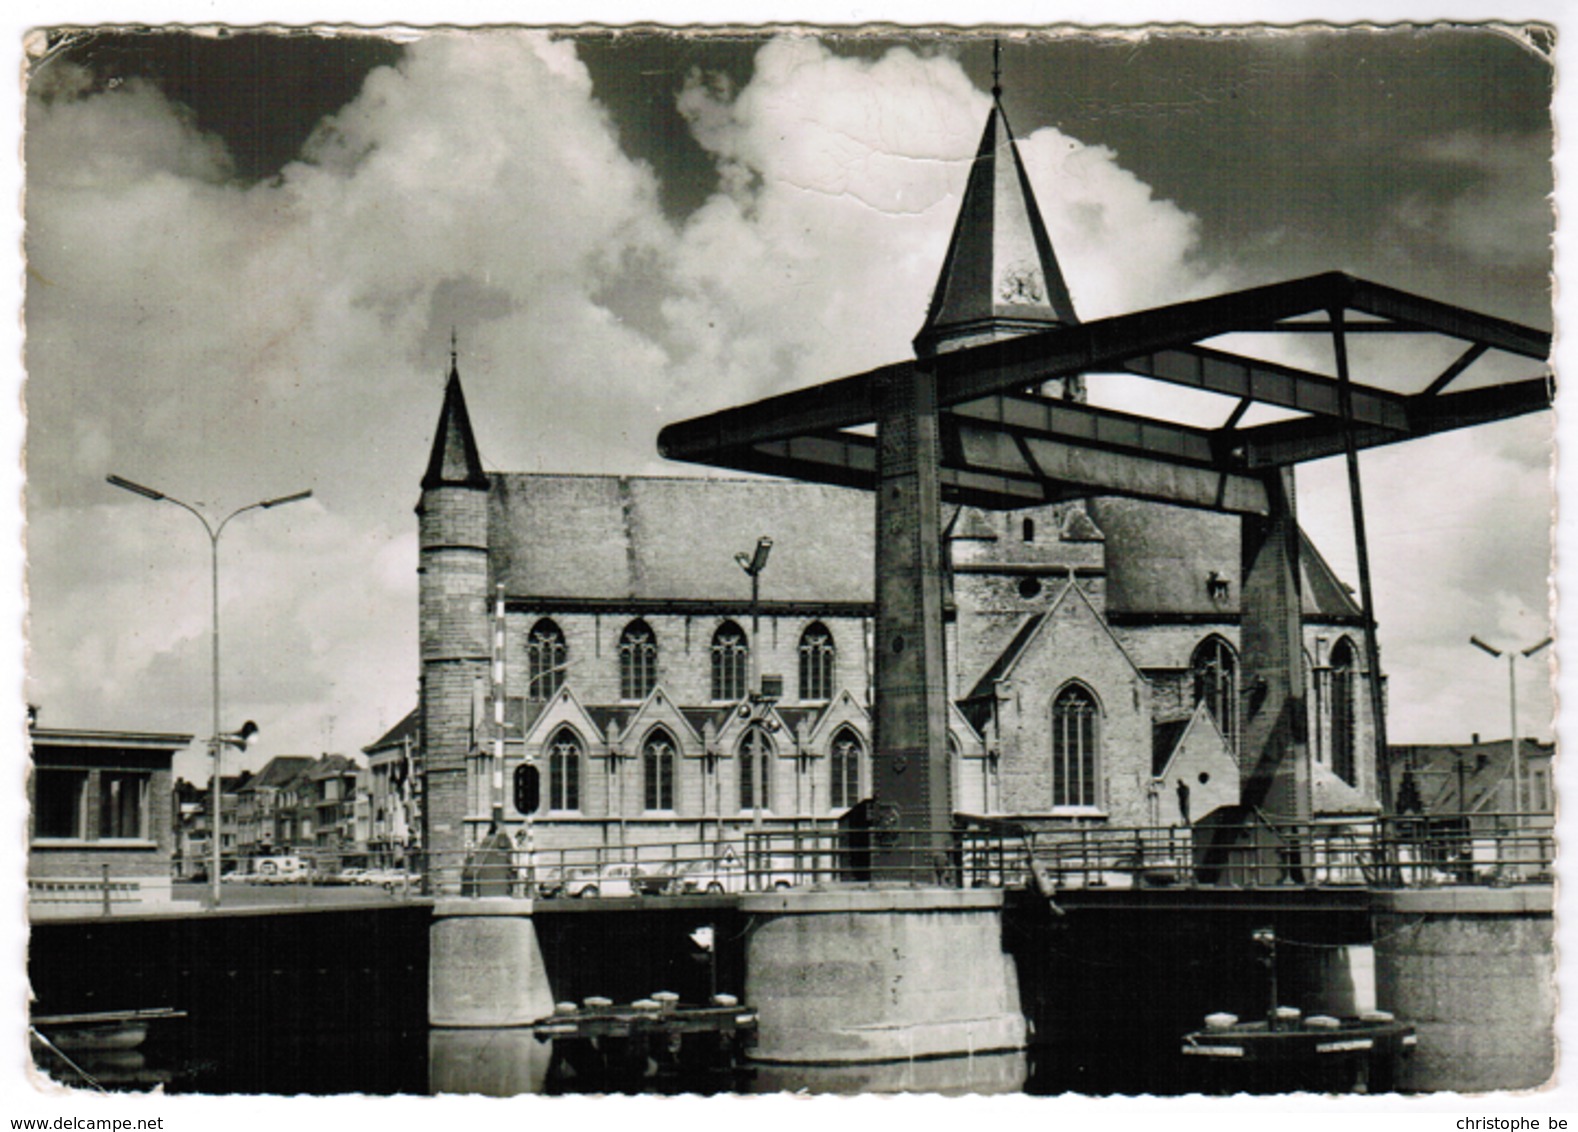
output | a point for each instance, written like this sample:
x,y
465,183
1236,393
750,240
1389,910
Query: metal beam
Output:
x,y
1087,424
1293,442
1269,383
1106,343
1158,343
1497,333
1447,376
996,468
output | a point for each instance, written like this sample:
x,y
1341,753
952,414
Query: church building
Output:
x,y
681,657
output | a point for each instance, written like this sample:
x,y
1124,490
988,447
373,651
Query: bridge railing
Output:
x,y
1408,851
1363,851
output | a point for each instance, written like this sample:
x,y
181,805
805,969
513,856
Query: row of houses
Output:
x,y
335,809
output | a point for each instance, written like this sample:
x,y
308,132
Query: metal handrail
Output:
x,y
1408,851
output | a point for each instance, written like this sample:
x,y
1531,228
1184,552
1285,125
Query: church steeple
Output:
x,y
1000,277
454,462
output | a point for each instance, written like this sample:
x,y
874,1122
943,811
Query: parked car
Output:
x,y
658,880
723,875
541,880
610,880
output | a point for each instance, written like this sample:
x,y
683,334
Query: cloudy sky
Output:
x,y
246,256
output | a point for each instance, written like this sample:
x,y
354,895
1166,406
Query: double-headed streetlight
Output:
x,y
219,740
1512,696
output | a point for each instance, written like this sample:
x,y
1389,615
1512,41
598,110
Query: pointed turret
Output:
x,y
454,580
454,462
1000,278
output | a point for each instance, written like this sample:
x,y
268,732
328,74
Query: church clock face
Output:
x,y
1021,284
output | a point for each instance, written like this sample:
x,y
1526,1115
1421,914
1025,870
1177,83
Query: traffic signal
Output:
x,y
528,789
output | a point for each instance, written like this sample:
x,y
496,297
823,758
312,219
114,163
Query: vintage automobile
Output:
x,y
609,880
717,876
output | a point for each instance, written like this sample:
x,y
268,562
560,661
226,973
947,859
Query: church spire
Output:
x,y
454,462
1000,277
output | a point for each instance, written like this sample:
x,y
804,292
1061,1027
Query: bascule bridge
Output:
x,y
997,411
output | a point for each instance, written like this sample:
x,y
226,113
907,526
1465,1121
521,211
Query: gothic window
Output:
x,y
846,768
817,654
637,661
564,771
756,764
1074,750
1214,670
730,656
1343,687
546,654
657,770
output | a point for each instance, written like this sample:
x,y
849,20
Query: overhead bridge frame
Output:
x,y
1005,447
970,426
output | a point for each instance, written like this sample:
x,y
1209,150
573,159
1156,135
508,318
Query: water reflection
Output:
x,y
487,1062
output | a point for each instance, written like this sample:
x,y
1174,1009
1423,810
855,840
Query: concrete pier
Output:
x,y
1474,970
485,968
880,974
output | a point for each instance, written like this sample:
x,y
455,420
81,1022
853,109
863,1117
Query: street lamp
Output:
x,y
219,740
1512,696
753,564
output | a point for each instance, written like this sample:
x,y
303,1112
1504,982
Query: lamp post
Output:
x,y
753,564
219,740
1512,697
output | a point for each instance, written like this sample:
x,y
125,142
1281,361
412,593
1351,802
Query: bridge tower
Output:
x,y
999,279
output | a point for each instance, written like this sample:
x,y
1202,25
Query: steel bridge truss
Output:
x,y
1004,445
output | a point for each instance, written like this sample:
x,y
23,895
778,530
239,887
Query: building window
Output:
x,y
1027,530
1074,752
60,803
637,661
546,654
564,771
730,657
756,765
817,654
1343,722
123,805
846,769
1214,669
657,768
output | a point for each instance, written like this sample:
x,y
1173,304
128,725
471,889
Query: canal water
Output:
x,y
336,1003
182,1058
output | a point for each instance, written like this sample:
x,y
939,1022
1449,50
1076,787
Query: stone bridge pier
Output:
x,y
860,975
1474,970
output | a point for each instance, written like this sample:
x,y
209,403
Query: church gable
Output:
x,y
657,710
844,711
564,710
1072,648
